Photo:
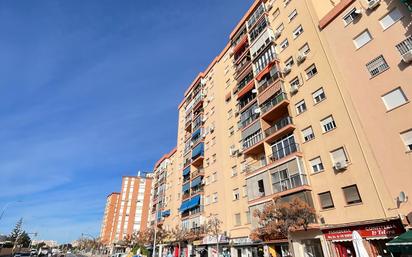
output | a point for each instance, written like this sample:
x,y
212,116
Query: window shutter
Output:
x,y
407,137
390,18
339,155
394,99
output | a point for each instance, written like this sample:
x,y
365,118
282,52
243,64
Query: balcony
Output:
x,y
255,165
198,122
254,18
198,172
269,79
197,101
286,151
243,67
271,108
197,190
291,182
249,120
198,155
263,41
405,49
246,101
279,128
240,45
253,144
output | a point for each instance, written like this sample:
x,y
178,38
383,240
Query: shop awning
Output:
x,y
186,171
183,206
402,243
196,181
194,202
186,187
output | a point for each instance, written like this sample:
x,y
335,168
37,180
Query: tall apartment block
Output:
x,y
108,218
128,210
309,99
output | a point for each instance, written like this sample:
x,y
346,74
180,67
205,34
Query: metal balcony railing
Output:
x,y
278,126
405,46
285,151
255,165
197,189
245,101
291,182
273,102
244,123
198,172
252,140
265,84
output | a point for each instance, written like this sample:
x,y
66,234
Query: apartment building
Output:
x,y
108,218
130,209
308,99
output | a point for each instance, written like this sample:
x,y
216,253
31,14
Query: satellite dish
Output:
x,y
402,198
254,91
257,110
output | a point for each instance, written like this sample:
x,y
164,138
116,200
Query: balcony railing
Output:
x,y
198,98
241,66
187,162
293,181
197,189
278,126
246,100
248,121
405,46
405,49
285,151
265,84
255,165
245,81
197,172
273,102
253,140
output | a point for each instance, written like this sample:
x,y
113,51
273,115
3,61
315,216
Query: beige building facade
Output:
x,y
309,99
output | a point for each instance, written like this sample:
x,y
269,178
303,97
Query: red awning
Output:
x,y
246,89
265,71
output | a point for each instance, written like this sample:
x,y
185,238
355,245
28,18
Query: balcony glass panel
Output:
x,y
284,147
248,116
256,15
252,140
282,181
258,29
266,106
261,62
278,125
245,81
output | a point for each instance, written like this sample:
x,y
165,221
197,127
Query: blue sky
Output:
x,y
88,93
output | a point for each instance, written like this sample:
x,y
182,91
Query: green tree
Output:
x,y
17,230
23,240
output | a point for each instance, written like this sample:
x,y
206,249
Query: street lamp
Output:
x,y
3,210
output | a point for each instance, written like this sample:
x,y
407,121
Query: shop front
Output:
x,y
245,247
375,236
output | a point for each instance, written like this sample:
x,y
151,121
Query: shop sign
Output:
x,y
197,242
241,241
212,239
387,229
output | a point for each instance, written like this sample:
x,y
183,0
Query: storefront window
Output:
x,y
313,248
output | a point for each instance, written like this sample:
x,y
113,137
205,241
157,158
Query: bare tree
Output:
x,y
278,218
213,227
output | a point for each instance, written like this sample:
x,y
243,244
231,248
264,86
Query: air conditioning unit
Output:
x,y
204,118
234,152
407,56
269,6
257,110
287,69
204,135
212,128
301,58
294,89
339,166
277,34
373,3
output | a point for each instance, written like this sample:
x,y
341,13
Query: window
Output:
x,y
207,200
289,62
237,219
308,134
230,114
377,66
248,218
350,16
300,107
316,164
294,82
292,15
214,198
318,95
284,44
305,49
328,124
351,194
339,155
236,194
286,2
213,140
407,139
234,171
362,39
297,31
394,99
213,158
311,71
214,177
261,187
326,201
231,131
276,13
390,18
244,190
207,181
280,28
